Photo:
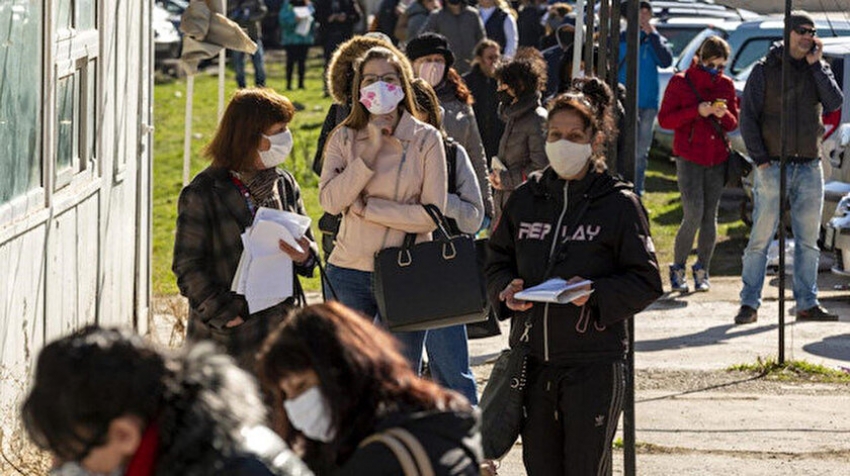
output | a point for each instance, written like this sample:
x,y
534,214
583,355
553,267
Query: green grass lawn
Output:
x,y
662,198
663,202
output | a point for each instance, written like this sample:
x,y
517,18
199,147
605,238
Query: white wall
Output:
x,y
80,253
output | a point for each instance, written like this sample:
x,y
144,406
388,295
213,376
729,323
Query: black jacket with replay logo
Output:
x,y
603,235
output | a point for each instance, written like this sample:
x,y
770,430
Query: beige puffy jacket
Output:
x,y
380,206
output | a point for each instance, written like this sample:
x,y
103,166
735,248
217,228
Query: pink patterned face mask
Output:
x,y
381,98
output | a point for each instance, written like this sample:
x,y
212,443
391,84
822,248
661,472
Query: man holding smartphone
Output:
x,y
812,90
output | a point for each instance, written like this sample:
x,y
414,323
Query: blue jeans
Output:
x,y
644,140
448,357
450,361
805,194
259,67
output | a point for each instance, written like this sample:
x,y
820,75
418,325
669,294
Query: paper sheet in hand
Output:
x,y
269,282
295,223
497,165
555,290
264,239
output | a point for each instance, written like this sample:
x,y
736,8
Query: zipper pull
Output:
x,y
525,337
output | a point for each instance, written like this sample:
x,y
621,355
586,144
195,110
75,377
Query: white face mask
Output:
x,y
310,413
432,71
281,146
381,98
568,158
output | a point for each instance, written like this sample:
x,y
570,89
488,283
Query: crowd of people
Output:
x,y
448,108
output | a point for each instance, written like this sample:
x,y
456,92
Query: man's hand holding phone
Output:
x,y
816,53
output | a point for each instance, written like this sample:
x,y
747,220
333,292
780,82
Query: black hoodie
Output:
x,y
609,243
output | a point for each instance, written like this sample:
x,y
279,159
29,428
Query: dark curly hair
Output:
x,y
592,100
524,74
86,380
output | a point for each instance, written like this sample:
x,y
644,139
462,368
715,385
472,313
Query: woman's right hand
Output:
x,y
373,145
236,321
495,180
705,109
507,295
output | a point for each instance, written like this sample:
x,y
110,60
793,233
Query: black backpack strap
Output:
x,y
711,119
451,163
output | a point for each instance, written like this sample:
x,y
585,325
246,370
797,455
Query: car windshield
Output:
x,y
751,51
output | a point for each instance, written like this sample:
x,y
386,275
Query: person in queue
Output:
x,y
433,61
573,221
342,382
106,402
481,80
698,103
381,165
521,147
252,140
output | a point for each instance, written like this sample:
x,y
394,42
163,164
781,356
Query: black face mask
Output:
x,y
504,97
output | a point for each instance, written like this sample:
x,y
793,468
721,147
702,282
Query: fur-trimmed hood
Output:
x,y
212,422
340,72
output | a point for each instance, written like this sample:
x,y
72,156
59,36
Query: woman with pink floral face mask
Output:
x,y
381,165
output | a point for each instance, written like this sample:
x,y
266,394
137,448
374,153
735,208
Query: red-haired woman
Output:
x,y
252,140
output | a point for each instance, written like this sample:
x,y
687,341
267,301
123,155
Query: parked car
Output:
x,y
175,10
835,153
666,9
750,41
166,38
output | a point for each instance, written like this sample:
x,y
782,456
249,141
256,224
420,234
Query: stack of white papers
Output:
x,y
264,275
555,290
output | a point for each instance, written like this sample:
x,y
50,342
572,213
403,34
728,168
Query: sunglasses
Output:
x,y
801,30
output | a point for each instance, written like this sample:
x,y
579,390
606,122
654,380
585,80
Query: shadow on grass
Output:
x,y
662,183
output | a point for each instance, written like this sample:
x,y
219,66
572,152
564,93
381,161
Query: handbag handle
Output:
x,y
439,220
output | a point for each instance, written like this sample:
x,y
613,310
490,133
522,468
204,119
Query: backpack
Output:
x,y
450,147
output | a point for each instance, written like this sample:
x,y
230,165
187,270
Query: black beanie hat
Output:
x,y
429,44
798,18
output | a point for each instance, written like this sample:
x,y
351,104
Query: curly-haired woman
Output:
x,y
521,149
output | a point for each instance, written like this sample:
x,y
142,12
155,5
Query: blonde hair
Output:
x,y
359,116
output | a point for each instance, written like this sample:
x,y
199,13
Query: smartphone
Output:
x,y
497,165
814,49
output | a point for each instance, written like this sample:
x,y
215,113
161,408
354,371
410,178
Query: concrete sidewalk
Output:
x,y
695,417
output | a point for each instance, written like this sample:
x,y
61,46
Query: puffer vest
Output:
x,y
805,129
495,28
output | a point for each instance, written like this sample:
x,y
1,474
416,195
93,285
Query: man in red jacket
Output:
x,y
700,106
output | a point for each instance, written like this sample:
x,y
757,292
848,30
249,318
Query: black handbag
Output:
x,y
737,166
488,327
502,410
431,284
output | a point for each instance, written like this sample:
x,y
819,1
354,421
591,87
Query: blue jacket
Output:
x,y
653,53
